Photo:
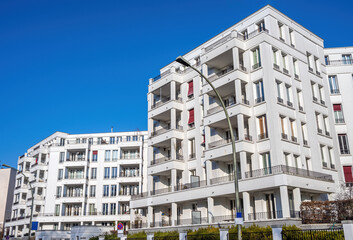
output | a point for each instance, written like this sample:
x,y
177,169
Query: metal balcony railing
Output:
x,y
339,120
256,66
285,71
181,187
279,100
218,42
165,159
221,73
283,169
339,62
259,99
160,102
284,136
335,91
262,136
138,196
276,66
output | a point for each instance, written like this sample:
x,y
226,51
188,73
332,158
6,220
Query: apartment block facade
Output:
x,y
79,180
7,181
339,65
271,74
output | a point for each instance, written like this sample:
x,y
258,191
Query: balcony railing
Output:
x,y
294,139
73,195
224,179
128,157
252,34
255,66
285,71
219,143
165,159
219,108
289,104
344,151
265,215
279,100
160,191
247,137
339,62
138,196
283,169
335,91
160,102
339,120
185,186
218,42
262,136
246,102
305,142
221,73
241,67
259,99
284,136
166,73
275,66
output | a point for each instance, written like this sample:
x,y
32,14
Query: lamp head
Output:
x,y
182,61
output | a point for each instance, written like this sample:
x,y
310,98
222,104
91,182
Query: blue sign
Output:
x,y
34,226
239,215
120,226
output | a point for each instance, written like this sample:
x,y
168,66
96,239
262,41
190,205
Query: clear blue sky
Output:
x,y
83,66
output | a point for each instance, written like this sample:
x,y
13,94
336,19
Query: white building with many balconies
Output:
x,y
271,74
79,180
339,65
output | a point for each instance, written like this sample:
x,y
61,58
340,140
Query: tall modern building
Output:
x,y
7,186
339,64
270,72
79,180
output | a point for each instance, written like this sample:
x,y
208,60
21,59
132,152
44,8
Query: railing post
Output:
x,y
277,232
183,235
150,236
348,229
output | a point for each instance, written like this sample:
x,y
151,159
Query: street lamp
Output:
x,y
184,62
32,202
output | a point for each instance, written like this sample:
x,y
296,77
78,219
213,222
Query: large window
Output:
x,y
92,191
343,142
105,190
62,157
105,209
262,127
259,91
94,156
112,208
106,172
112,140
60,174
332,80
107,155
256,58
114,172
113,190
337,110
191,120
266,162
347,59
115,155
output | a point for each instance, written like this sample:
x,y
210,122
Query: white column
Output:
x,y
174,177
150,184
243,159
277,232
174,213
241,132
297,199
208,171
210,206
172,90
246,205
235,52
223,234
173,148
284,201
173,118
238,91
149,215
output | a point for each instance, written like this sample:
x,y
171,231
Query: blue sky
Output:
x,y
83,66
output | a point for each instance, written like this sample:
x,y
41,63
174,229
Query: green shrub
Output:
x,y
137,235
166,234
252,232
94,238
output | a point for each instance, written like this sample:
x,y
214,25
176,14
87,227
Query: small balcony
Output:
x,y
165,159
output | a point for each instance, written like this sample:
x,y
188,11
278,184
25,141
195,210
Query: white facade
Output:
x,y
340,80
7,186
271,74
79,179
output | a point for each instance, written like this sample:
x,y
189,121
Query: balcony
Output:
x,y
219,143
219,108
282,169
217,43
181,187
164,130
161,191
271,215
161,102
165,159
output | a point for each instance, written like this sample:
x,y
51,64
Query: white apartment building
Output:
x,y
79,180
339,64
271,74
7,186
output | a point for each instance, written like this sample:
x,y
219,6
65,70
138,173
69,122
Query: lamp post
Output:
x,y
32,201
184,62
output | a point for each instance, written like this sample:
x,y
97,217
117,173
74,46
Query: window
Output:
x,y
266,162
134,138
261,26
94,156
92,191
60,174
343,142
107,155
245,34
300,100
99,140
279,92
284,61
347,59
310,61
128,138
326,125
90,140
114,172
112,208
287,159
318,122
291,37
106,172
332,80
321,94
347,170
295,69
317,65
256,59
112,140
289,96
105,190
259,90
58,192
322,150
115,155
283,127
57,209
93,173
118,139
105,209
281,31
191,89
327,60
192,148
330,156
262,127
62,157
337,112
313,91
191,117
113,190
275,60
293,130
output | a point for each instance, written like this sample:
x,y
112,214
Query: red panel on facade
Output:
x,y
191,88
191,116
336,107
347,170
